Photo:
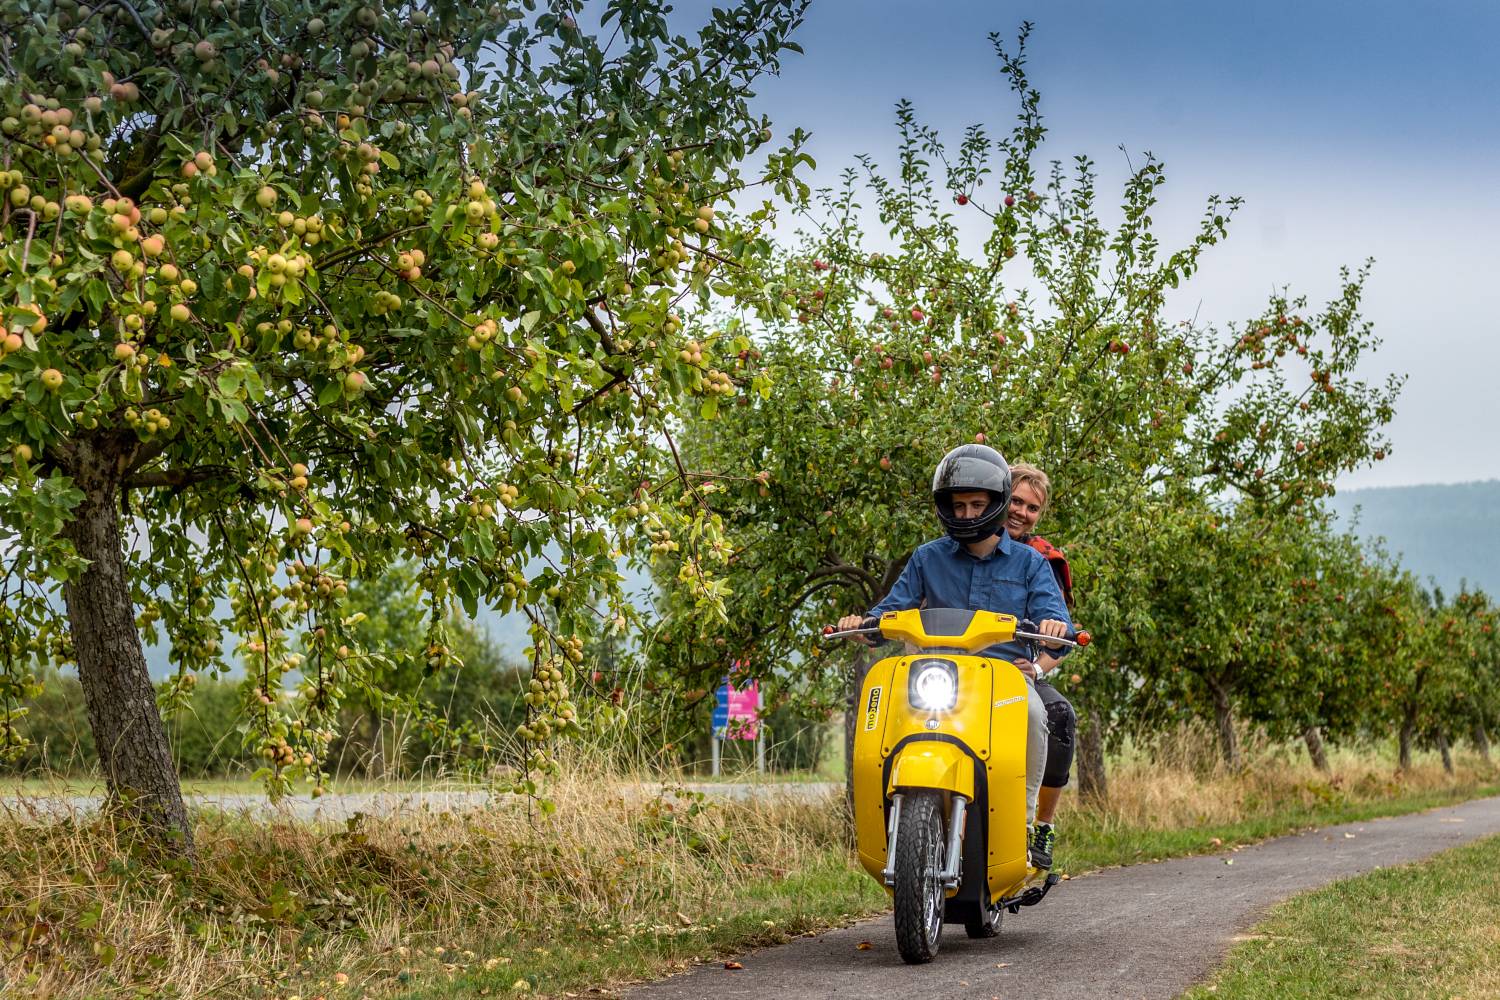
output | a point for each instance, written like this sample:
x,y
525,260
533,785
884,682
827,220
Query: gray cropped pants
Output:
x,y
1036,748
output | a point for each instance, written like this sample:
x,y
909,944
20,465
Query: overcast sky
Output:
x,y
1353,130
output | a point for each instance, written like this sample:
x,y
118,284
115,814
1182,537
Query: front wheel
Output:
x,y
918,891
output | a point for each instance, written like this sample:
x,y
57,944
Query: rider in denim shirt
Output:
x,y
1013,579
979,568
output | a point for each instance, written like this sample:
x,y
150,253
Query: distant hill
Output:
x,y
1448,532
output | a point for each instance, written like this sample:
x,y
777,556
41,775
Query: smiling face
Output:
x,y
1025,510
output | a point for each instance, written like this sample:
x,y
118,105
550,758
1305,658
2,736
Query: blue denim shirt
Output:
x,y
1013,580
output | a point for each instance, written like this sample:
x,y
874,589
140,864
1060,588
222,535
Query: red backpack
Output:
x,y
1059,564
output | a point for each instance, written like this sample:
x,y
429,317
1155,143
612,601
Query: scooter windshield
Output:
x,y
946,621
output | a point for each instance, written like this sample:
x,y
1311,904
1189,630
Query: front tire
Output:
x,y
919,895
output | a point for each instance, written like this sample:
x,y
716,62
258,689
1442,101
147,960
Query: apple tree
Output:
x,y
294,288
1048,343
1479,705
1321,679
1051,341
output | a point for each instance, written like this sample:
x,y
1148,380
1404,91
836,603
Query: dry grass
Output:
x,y
1181,779
267,901
620,881
1176,796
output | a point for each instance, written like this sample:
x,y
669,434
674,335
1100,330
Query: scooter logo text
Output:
x,y
872,710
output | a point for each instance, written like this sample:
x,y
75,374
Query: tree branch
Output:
x,y
177,478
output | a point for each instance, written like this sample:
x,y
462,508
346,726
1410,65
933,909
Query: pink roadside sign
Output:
x,y
744,712
737,710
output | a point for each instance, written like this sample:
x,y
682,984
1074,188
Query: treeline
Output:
x,y
453,727
417,721
1232,617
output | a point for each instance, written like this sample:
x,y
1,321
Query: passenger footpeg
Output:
x,y
1033,895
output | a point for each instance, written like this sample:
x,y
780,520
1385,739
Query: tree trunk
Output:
x,y
128,732
1445,749
1313,737
1224,716
1093,784
1482,741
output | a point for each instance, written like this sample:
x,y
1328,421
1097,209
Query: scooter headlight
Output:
x,y
934,685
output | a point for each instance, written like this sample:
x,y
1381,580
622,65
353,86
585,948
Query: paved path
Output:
x,y
1144,931
339,806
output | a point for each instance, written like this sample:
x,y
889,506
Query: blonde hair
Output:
x,y
1028,474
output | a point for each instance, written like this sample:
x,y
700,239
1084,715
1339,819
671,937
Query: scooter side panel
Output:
x,y
1006,768
869,740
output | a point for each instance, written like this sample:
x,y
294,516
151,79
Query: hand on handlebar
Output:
x,y
849,623
1054,628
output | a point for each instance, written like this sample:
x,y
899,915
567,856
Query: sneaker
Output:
x,y
1042,839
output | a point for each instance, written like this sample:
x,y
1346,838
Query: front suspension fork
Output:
x,y
953,870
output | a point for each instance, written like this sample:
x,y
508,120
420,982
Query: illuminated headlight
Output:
x,y
934,685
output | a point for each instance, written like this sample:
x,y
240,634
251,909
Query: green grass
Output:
x,y
1425,930
754,914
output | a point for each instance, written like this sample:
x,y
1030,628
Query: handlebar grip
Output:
x,y
1078,635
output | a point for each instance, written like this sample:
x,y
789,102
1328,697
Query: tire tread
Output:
x,y
921,820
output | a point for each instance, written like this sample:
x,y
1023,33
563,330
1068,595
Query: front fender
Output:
x,y
933,764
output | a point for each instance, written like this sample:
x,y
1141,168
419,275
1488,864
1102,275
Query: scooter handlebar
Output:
x,y
869,626
1024,630
1073,637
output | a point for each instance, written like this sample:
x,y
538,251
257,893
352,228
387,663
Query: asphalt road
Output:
x,y
1147,930
339,806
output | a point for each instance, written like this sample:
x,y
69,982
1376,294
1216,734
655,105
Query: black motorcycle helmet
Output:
x,y
965,469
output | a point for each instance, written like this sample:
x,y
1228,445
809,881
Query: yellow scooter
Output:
x,y
940,773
